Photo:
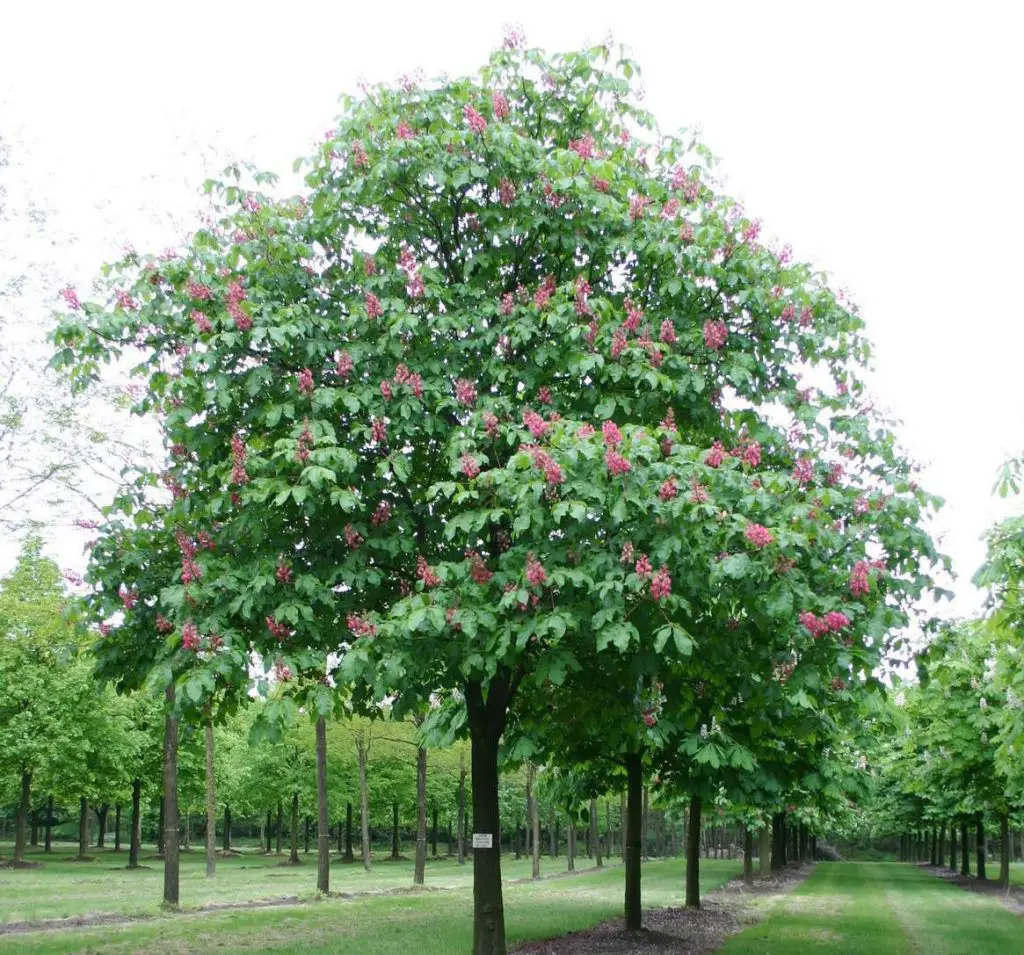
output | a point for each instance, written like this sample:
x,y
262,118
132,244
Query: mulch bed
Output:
x,y
722,913
1012,899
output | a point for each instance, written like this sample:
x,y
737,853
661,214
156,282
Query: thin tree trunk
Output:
x,y
748,856
160,826
226,836
21,823
1005,851
323,820
83,827
420,865
622,824
965,852
171,873
461,824
778,842
609,845
570,854
486,723
940,858
211,803
693,855
293,834
433,832
395,846
349,856
117,827
305,835
533,811
764,850
364,802
101,823
645,848
269,831
633,841
980,844
135,839
279,829
595,842
47,840
952,846
552,834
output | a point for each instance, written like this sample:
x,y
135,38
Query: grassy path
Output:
x,y
881,909
431,923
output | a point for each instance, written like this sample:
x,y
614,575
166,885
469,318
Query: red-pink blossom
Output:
x,y
469,465
751,453
344,365
369,265
637,205
404,131
806,317
788,313
373,306
490,421
283,574
583,147
385,390
668,332
544,291
537,426
305,380
304,445
643,566
536,575
201,322
499,105
618,342
835,474
715,334
70,296
128,597
125,300
359,158
860,583
671,209
163,625
715,456
861,506
626,557
415,288
585,431
190,636
474,120
544,395
698,493
616,463
803,471
381,515
836,620
239,475
478,570
282,672
198,290
507,192
600,185
465,392
668,490
352,537
379,430
426,573
508,303
360,627
758,535
752,231
661,584
611,434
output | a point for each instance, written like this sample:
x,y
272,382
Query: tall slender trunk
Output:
x,y
364,802
225,842
279,828
940,857
395,846
645,847
965,852
748,855
101,823
952,845
349,857
1005,851
21,823
595,842
764,850
933,856
269,830
693,855
609,844
83,827
160,825
171,873
433,831
632,841
486,723
211,804
135,839
420,865
778,841
533,810
979,844
293,858
552,834
622,825
117,827
570,853
323,819
47,841
461,824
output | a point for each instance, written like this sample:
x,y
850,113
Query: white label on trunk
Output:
x,y
483,840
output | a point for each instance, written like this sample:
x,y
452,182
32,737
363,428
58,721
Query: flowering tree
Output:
x,y
504,321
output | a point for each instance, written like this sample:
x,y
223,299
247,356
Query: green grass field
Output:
x,y
860,908
435,923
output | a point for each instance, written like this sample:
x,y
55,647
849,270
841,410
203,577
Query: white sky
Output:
x,y
881,140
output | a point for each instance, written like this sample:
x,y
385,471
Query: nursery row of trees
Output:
x,y
508,424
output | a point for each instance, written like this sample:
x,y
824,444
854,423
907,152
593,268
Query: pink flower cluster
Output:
x,y
860,583
758,535
473,119
283,574
508,301
582,294
637,205
715,334
661,584
304,445
616,463
831,622
788,313
279,631
359,158
507,192
536,575
239,474
360,627
163,625
490,421
611,434
499,105
544,462
190,570
373,306
379,430
667,335
128,597
643,566
282,672
235,296
305,381
426,573
352,537
715,456
198,290
544,291
537,426
381,515
465,392
201,322
190,636
470,467
478,570
404,131
583,147
668,490
70,296
698,493
413,280
125,300
344,365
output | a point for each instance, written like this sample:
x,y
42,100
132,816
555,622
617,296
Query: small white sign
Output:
x,y
483,840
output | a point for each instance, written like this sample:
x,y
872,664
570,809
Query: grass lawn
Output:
x,y
859,908
435,923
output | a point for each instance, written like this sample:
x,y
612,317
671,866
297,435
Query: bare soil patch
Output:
x,y
676,930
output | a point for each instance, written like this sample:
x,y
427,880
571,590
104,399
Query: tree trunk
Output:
x,y
47,840
293,833
644,845
323,819
933,855
117,827
101,823
83,827
269,831
420,866
965,854
461,823
764,850
211,804
748,856
622,825
364,802
33,839
552,834
171,873
135,839
940,856
693,855
226,836
305,835
1004,851
486,724
21,823
952,845
349,856
188,830
570,846
609,844
279,828
595,842
632,841
980,844
534,812
433,832
395,844
778,841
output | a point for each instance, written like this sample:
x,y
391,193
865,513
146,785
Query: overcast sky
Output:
x,y
882,140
